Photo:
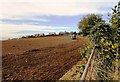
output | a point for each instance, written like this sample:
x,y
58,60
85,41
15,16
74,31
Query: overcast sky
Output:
x,y
24,17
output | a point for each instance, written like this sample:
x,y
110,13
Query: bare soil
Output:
x,y
48,62
21,45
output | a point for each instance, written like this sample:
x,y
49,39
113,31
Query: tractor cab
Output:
x,y
73,35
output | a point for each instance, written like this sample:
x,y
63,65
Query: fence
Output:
x,y
88,65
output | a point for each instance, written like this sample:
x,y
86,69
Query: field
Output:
x,y
21,45
47,58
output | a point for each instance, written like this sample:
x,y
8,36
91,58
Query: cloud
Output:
x,y
24,20
14,8
26,27
28,10
12,31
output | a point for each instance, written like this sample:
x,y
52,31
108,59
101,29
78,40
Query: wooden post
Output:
x,y
91,70
87,65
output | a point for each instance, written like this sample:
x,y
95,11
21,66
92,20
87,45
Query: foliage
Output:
x,y
106,38
103,37
88,22
85,52
30,36
23,37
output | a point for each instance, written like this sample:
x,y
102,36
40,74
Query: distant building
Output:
x,y
39,35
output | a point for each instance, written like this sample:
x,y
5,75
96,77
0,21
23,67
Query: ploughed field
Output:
x,y
46,58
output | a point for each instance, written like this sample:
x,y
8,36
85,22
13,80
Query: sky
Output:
x,y
25,17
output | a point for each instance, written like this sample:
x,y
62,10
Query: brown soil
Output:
x,y
43,63
21,45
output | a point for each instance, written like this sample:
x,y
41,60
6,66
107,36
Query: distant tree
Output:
x,y
67,33
23,37
80,32
9,39
61,33
71,32
88,22
31,36
74,33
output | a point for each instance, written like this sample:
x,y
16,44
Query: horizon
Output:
x,y
21,18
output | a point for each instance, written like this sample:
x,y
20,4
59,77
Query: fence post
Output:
x,y
87,65
91,70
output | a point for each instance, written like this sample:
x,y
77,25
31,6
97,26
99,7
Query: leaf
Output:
x,y
117,54
116,45
108,56
102,40
113,46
